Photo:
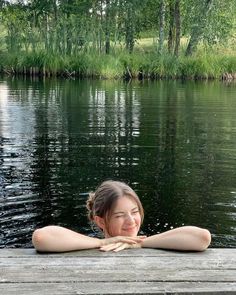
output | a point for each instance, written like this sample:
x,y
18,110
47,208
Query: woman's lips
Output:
x,y
130,228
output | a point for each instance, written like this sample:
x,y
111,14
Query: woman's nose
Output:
x,y
130,218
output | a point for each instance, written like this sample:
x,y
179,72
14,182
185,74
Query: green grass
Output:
x,y
142,62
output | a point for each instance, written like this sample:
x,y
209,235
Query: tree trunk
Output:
x,y
197,30
68,35
171,36
192,45
178,28
107,28
54,34
161,26
129,29
101,32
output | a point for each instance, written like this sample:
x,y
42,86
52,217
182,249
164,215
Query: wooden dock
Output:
x,y
134,271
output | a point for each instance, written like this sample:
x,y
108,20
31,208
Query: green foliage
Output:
x,y
212,21
204,65
220,23
207,66
68,27
97,38
111,67
164,66
228,64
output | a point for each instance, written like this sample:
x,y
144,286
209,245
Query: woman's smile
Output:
x,y
131,229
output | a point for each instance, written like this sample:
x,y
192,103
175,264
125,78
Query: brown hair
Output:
x,y
102,201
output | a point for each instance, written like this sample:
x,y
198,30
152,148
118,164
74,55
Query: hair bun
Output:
x,y
89,205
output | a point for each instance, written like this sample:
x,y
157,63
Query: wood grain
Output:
x,y
134,271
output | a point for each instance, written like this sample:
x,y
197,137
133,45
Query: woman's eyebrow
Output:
x,y
118,212
122,212
135,208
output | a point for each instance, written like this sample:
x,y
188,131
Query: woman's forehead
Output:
x,y
125,202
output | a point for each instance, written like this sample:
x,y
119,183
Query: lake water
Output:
x,y
174,142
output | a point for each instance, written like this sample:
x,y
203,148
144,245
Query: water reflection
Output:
x,y
173,142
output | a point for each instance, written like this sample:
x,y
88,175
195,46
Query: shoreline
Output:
x,y
120,66
36,73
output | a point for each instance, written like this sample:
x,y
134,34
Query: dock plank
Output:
x,y
133,271
124,263
119,288
19,252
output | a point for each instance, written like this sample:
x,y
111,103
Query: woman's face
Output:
x,y
125,218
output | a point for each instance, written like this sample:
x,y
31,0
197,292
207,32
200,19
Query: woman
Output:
x,y
117,211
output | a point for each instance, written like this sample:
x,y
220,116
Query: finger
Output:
x,y
135,246
113,247
107,247
132,240
121,247
126,246
127,239
110,247
142,237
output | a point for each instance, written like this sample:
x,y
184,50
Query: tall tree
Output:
x,y
199,24
66,27
174,27
129,26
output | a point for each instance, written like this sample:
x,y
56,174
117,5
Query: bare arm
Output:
x,y
183,238
60,239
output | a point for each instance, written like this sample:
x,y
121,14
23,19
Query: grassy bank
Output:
x,y
121,65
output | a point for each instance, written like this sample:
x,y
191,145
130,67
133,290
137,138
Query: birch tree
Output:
x,y
199,24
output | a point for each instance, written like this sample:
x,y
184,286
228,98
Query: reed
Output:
x,y
120,64
164,66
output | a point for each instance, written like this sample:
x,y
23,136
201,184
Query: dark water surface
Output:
x,y
173,142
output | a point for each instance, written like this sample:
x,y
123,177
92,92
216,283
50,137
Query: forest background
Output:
x,y
119,39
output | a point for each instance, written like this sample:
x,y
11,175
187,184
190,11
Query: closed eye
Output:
x,y
120,214
135,212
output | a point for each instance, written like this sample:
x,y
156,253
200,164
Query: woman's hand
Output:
x,y
119,243
116,247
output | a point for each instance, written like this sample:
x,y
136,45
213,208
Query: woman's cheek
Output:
x,y
116,226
